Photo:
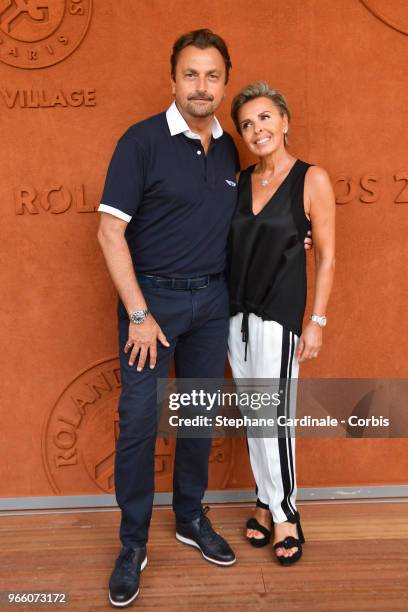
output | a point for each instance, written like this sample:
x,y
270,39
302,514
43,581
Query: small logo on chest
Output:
x,y
231,183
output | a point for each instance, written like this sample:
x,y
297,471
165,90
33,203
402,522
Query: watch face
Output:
x,y
138,317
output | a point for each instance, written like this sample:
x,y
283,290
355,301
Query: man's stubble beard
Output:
x,y
195,111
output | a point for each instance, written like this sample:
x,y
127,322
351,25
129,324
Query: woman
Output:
x,y
279,198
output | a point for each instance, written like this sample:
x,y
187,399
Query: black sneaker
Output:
x,y
124,581
199,533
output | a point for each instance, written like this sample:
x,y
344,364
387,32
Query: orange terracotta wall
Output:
x,y
72,78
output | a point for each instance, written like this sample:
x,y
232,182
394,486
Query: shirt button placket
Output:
x,y
203,162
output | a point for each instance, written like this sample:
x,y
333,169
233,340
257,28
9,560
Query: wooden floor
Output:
x,y
355,558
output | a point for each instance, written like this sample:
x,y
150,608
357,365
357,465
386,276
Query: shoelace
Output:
x,y
205,525
126,562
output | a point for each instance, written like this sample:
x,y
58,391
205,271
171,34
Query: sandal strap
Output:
x,y
252,523
294,518
288,542
260,504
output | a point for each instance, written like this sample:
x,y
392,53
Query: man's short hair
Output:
x,y
202,39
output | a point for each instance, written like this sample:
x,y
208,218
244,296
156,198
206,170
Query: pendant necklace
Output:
x,y
264,181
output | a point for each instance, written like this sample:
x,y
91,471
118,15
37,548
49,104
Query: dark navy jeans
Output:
x,y
196,326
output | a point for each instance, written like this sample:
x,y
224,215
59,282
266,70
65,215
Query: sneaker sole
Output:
x,y
123,604
189,542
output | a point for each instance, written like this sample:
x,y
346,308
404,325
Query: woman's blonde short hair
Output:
x,y
259,89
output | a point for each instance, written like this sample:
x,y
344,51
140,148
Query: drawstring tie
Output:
x,y
245,332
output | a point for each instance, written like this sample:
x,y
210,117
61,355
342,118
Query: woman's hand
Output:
x,y
308,241
310,342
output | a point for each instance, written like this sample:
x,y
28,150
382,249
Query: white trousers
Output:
x,y
271,355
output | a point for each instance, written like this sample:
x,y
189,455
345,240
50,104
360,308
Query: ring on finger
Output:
x,y
315,354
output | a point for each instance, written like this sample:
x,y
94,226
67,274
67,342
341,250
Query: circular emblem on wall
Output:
x,y
40,33
80,433
393,13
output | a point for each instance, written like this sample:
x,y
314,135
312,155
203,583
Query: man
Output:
x,y
167,205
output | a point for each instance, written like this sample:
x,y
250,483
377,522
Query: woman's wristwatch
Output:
x,y
321,321
139,316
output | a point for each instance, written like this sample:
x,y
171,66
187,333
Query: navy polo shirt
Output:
x,y
177,200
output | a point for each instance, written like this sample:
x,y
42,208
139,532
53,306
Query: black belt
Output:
x,y
179,284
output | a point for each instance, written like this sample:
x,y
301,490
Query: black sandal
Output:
x,y
291,542
252,523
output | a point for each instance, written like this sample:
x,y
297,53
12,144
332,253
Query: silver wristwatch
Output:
x,y
139,316
321,321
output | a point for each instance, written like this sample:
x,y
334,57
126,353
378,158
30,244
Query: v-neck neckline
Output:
x,y
251,203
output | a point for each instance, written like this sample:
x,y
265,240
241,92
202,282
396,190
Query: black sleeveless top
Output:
x,y
266,255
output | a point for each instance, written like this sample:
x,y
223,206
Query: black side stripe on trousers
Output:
x,y
284,443
290,448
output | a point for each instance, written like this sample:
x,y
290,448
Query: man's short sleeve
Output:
x,y
124,182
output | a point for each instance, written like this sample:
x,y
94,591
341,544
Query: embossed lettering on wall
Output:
x,y
39,98
40,33
54,199
370,187
78,441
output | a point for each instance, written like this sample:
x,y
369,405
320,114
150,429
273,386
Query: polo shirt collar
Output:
x,y
178,125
